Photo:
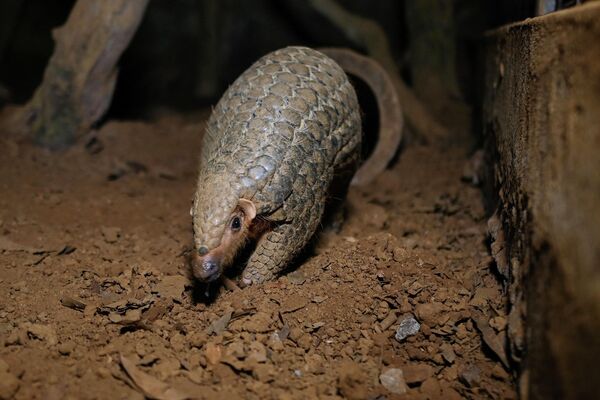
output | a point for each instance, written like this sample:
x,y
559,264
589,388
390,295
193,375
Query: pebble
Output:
x,y
257,352
66,348
263,372
430,313
393,380
448,353
470,375
408,326
275,342
388,320
305,342
417,373
295,334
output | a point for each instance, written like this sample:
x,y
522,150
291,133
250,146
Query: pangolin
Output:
x,y
273,145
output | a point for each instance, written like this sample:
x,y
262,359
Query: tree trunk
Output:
x,y
80,77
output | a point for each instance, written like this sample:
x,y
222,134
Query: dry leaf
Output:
x,y
149,385
490,338
218,326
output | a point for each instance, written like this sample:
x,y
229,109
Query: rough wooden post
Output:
x,y
80,77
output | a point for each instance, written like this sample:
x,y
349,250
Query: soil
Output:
x,y
97,302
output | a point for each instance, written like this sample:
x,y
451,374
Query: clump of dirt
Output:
x,y
97,300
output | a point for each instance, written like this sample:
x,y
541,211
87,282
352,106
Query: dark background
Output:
x,y
186,52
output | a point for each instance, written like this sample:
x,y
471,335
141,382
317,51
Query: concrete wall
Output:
x,y
542,133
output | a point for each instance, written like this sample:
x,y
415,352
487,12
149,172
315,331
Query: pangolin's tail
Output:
x,y
391,119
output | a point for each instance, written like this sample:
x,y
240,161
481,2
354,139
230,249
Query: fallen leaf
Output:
x,y
218,326
72,303
122,306
149,385
296,277
315,326
490,338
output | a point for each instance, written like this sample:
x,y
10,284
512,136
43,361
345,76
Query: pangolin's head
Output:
x,y
221,221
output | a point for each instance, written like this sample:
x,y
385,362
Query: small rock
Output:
x,y
103,372
461,331
257,352
295,334
430,313
263,372
66,348
388,320
296,277
167,367
314,364
499,373
431,387
236,349
305,342
451,373
196,375
393,380
470,375
275,342
408,326
197,339
417,373
448,353
498,323
482,296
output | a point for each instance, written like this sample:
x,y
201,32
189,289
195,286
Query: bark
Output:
x,y
80,77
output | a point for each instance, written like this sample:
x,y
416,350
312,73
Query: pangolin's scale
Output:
x,y
277,137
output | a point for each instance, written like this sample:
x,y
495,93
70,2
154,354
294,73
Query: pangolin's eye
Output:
x,y
236,224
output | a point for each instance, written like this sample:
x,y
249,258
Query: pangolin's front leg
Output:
x,y
276,249
273,253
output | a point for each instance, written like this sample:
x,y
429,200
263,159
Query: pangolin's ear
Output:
x,y
248,207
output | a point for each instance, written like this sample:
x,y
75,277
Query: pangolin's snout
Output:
x,y
206,269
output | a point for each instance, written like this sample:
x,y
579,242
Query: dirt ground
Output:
x,y
96,303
